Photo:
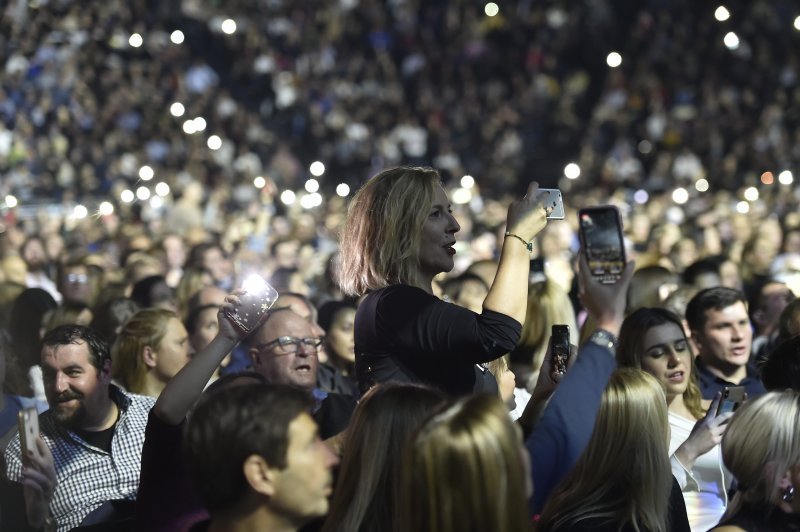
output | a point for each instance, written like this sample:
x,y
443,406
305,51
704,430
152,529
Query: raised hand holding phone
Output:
x,y
254,300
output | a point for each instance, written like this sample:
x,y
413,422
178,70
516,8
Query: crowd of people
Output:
x,y
403,378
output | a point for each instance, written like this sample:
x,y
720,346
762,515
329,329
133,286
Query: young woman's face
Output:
x,y
340,338
173,351
667,357
436,250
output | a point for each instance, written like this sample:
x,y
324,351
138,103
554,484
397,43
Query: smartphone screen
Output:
x,y
559,349
601,240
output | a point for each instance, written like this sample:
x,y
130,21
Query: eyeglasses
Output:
x,y
77,278
287,345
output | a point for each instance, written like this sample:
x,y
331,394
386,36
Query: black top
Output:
x,y
710,384
760,519
404,334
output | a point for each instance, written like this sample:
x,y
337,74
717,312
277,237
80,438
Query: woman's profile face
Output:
x,y
173,351
666,356
340,337
436,251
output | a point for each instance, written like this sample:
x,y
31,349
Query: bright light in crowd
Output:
x,y
311,200
176,37
701,185
767,178
461,196
229,26
105,209
572,171
214,142
614,60
316,169
491,9
731,40
189,127
143,193
797,23
126,196
722,14
312,185
11,201
199,123
751,194
467,181
641,196
742,207
177,109
156,202
259,182
288,197
80,212
162,189
146,173
786,177
255,284
343,189
135,40
680,196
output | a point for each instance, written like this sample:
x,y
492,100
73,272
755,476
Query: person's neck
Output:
x,y
730,373
152,386
677,405
259,520
107,417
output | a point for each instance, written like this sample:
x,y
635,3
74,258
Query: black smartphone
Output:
x,y
732,398
28,424
555,201
559,351
537,271
600,231
256,301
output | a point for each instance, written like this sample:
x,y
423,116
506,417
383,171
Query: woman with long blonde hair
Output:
x,y
622,481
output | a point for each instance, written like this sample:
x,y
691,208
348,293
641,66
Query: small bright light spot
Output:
x,y
143,193
767,178
731,40
80,212
312,185
162,189
255,284
11,201
797,23
467,181
176,37
645,147
751,194
316,199
701,185
199,123
135,40
259,182
722,14
189,128
343,189
177,109
126,196
105,209
214,142
307,202
288,197
461,196
641,196
316,169
614,60
491,9
680,196
146,173
786,177
156,202
572,171
229,26
742,207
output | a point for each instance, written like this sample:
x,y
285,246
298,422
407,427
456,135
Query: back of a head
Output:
x,y
109,317
385,419
716,298
463,471
232,424
25,323
650,286
761,443
781,370
623,475
789,320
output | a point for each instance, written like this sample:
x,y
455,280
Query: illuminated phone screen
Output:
x,y
603,245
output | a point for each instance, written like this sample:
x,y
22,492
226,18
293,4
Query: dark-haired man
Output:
x,y
93,429
257,459
723,335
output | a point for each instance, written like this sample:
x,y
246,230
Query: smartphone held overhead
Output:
x,y
600,231
559,351
553,200
254,303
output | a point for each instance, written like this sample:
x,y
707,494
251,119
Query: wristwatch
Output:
x,y
604,339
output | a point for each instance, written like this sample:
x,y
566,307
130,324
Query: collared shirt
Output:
x,y
86,475
710,383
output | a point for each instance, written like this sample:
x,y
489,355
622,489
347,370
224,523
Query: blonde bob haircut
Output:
x,y
761,443
381,235
624,476
145,328
464,472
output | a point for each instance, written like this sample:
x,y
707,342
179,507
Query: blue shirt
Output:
x,y
710,384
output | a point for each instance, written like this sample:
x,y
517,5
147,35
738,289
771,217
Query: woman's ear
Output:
x,y
259,476
149,356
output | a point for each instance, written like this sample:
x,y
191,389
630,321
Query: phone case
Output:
x,y
254,304
28,424
731,399
600,231
554,200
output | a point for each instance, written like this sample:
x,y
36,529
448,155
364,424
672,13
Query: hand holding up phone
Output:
x,y
248,306
706,434
605,303
38,482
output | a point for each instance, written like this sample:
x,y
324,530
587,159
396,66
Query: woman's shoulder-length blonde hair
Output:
x,y
464,471
624,474
145,328
380,239
761,443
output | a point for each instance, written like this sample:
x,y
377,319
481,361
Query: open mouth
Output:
x,y
305,368
676,377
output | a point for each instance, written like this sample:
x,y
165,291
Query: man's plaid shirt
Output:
x,y
88,476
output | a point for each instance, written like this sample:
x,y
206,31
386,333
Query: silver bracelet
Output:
x,y
604,339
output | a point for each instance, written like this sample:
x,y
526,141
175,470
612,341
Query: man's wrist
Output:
x,y
604,338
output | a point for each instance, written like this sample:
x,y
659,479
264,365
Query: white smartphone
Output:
x,y
28,423
259,296
555,201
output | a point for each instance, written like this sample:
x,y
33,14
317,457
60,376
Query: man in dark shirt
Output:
x,y
723,335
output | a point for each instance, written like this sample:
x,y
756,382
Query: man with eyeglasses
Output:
x,y
284,350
